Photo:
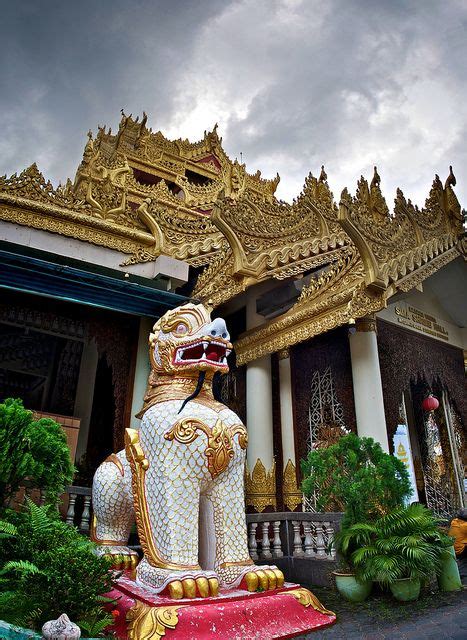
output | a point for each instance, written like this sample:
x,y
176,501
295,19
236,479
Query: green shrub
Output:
x,y
355,476
33,450
54,570
406,543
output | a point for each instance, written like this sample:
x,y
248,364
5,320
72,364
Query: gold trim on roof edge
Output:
x,y
135,192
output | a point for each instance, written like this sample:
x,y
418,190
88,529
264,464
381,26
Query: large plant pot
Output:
x,y
350,589
405,589
449,578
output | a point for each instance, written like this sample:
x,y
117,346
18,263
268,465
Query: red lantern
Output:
x,y
430,403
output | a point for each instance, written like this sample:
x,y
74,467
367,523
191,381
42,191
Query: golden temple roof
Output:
x,y
138,192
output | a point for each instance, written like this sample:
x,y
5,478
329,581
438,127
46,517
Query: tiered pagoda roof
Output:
x,y
138,192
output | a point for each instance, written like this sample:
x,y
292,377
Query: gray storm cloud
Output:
x,y
292,84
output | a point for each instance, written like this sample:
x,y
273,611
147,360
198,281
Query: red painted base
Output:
x,y
234,614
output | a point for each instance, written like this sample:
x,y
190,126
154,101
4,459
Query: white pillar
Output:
x,y
292,496
261,473
142,370
259,412
85,394
367,387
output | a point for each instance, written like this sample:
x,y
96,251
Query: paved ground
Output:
x,y
434,616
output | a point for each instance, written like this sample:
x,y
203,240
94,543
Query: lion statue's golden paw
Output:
x,y
263,579
121,558
193,588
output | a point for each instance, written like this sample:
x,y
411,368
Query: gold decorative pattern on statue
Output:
x,y
290,491
260,486
308,599
219,450
151,623
139,465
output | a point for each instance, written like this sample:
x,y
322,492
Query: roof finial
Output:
x,y
450,180
376,178
323,176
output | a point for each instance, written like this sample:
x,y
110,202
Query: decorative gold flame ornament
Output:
x,y
260,486
290,491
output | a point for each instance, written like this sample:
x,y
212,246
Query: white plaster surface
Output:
x,y
367,387
287,426
175,270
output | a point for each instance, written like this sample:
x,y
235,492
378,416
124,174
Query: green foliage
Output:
x,y
54,570
30,449
355,476
406,543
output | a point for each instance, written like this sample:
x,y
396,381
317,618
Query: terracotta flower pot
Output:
x,y
350,588
405,589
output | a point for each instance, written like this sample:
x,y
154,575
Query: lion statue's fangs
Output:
x,y
181,474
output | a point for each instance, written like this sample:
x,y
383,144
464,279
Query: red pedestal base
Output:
x,y
233,615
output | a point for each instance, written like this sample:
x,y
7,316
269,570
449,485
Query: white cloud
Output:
x,y
293,84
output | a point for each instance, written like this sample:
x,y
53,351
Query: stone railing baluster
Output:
x,y
70,514
320,546
309,551
85,518
276,543
297,539
265,542
252,544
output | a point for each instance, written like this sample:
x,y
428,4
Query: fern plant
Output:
x,y
47,567
405,543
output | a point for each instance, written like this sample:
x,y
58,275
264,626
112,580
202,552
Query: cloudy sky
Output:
x,y
293,84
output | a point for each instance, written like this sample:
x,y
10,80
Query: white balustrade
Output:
x,y
265,542
297,539
252,544
276,542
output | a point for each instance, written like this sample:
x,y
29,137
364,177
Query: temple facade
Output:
x,y
345,315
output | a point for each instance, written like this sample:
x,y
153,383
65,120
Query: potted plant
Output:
x,y
398,549
349,581
356,476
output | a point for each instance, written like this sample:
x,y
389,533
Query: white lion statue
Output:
x,y
181,474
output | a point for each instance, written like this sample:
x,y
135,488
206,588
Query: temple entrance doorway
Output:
x,y
439,448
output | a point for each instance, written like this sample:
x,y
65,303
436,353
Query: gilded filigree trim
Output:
x,y
260,486
151,623
219,450
291,494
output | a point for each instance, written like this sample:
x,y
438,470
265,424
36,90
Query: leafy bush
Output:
x,y
30,449
355,476
406,543
53,570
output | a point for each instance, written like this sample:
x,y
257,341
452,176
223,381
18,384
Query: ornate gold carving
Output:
x,y
219,450
393,246
151,623
290,491
308,599
139,465
283,354
260,486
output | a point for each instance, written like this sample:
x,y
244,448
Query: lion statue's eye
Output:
x,y
181,329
